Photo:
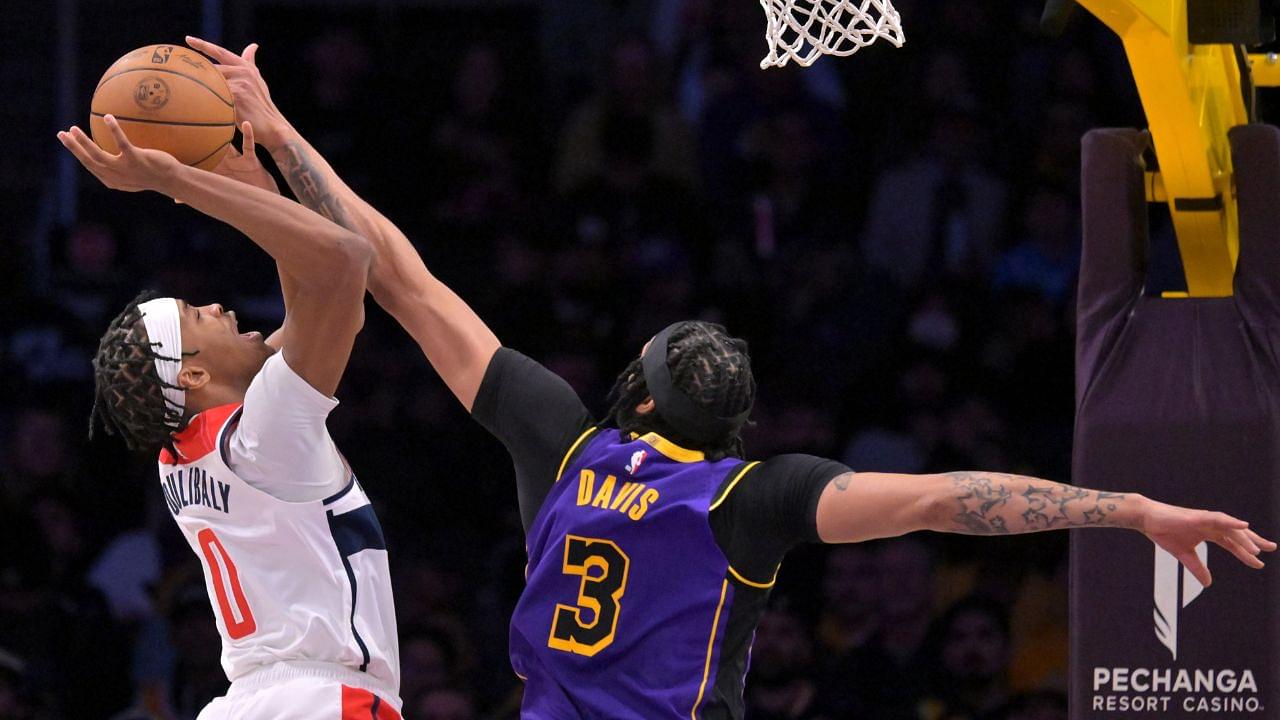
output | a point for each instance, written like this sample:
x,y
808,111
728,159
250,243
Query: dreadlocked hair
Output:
x,y
128,394
709,366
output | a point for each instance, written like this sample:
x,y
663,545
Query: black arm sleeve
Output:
x,y
536,415
772,509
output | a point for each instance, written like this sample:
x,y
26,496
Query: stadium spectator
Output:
x,y
973,652
780,686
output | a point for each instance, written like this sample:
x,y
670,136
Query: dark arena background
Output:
x,y
897,235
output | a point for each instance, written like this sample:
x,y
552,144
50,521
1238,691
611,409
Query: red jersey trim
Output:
x,y
200,436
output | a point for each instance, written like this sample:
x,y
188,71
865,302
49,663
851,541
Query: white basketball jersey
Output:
x,y
288,581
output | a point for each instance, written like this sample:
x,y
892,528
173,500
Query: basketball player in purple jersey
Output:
x,y
293,556
653,542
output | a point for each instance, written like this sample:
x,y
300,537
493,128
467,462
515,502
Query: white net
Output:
x,y
803,30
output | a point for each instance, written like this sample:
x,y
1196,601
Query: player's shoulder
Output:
x,y
793,464
776,474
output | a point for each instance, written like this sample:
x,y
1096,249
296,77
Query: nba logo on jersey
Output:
x,y
637,458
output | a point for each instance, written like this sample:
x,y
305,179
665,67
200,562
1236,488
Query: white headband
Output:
x,y
163,321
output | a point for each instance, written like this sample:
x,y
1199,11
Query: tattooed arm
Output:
x,y
998,503
863,506
455,340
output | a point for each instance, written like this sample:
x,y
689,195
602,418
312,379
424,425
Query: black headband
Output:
x,y
681,412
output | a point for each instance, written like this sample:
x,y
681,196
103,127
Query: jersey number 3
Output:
x,y
588,627
218,561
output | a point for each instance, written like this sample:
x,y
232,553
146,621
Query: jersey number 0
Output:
x,y
603,567
217,560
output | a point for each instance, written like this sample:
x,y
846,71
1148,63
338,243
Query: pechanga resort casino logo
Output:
x,y
1174,691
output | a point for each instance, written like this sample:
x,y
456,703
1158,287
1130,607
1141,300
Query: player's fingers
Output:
x,y
70,144
1265,544
246,143
87,147
1241,538
71,141
117,132
1192,562
1242,554
77,146
250,54
217,52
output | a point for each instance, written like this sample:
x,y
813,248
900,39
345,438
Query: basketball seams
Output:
x,y
195,80
182,123
199,144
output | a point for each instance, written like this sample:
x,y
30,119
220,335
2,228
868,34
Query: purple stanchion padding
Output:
x,y
1178,399
1255,150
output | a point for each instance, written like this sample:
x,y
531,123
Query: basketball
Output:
x,y
169,98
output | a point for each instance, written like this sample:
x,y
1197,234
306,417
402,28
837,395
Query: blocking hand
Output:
x,y
248,89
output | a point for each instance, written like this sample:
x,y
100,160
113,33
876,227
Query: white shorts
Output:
x,y
304,691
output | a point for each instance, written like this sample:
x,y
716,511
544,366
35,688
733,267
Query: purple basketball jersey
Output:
x,y
627,598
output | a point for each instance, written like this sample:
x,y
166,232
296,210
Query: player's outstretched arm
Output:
x,y
863,506
243,165
330,264
455,340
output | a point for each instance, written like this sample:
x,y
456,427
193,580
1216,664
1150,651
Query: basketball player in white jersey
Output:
x,y
293,555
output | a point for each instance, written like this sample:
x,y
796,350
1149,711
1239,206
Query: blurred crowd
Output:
x,y
896,234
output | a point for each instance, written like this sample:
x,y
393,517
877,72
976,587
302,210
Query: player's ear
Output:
x,y
645,407
193,377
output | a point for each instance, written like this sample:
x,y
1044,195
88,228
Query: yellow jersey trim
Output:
x,y
752,583
732,484
672,450
711,646
572,449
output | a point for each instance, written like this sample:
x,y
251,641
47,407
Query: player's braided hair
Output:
x,y
128,392
709,366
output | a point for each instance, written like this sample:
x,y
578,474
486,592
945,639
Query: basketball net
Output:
x,y
803,30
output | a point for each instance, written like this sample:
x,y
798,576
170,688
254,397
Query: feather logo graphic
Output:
x,y
1170,578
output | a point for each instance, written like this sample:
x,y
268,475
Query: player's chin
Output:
x,y
256,343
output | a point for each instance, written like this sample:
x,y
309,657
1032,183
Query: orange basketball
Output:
x,y
166,97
